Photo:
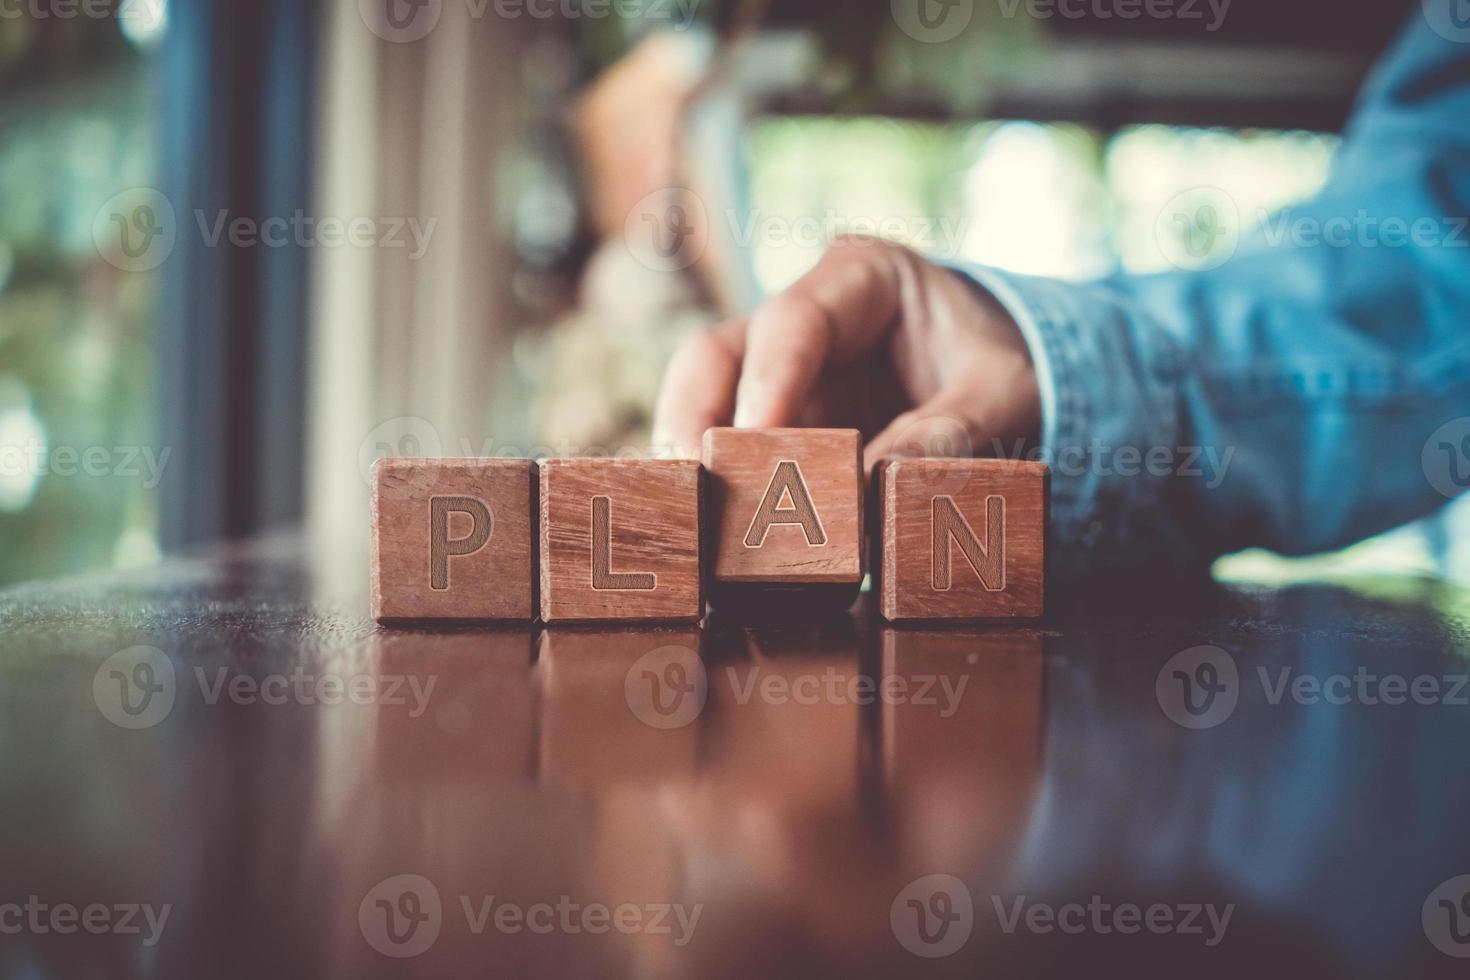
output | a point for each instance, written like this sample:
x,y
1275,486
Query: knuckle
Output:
x,y
797,324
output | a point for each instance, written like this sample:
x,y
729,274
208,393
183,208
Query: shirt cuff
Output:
x,y
1111,419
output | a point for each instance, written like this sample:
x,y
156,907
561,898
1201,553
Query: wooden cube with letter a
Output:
x,y
620,540
961,538
786,513
452,539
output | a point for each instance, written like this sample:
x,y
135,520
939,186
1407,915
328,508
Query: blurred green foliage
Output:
x,y
77,408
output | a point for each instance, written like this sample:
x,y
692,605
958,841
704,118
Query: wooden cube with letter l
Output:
x,y
786,515
620,541
452,539
961,538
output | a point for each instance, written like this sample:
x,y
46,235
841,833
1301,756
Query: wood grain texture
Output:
x,y
943,556
750,474
648,564
492,579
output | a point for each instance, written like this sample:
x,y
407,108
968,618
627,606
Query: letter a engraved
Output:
x,y
604,579
441,547
988,559
787,480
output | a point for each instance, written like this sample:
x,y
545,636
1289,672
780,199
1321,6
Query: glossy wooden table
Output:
x,y
230,740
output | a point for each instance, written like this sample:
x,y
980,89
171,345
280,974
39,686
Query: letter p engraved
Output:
x,y
604,579
987,559
442,547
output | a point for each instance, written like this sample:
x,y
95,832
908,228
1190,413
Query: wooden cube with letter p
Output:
x,y
961,538
452,539
786,513
620,540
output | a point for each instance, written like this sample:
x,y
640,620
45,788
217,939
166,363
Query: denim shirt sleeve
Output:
x,y
1291,398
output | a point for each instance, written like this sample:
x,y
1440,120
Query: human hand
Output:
x,y
875,338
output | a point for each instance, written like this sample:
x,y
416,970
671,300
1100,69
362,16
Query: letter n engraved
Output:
x,y
441,547
786,482
988,559
604,579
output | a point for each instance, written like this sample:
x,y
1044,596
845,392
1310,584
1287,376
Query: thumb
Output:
x,y
945,427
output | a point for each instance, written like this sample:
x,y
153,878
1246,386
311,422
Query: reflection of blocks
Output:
x,y
620,540
456,704
962,731
785,510
609,715
961,538
958,697
452,539
787,707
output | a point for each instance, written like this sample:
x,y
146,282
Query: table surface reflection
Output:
x,y
1163,780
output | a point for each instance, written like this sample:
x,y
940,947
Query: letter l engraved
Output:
x,y
604,579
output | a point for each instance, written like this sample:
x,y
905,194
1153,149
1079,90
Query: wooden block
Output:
x,y
452,539
961,538
786,511
620,540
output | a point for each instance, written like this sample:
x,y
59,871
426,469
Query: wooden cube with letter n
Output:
x,y
452,539
620,540
786,514
961,538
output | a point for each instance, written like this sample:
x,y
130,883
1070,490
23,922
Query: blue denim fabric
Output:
x,y
1313,372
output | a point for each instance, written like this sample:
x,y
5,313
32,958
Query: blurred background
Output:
x,y
246,249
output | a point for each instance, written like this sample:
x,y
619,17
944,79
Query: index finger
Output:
x,y
833,314
698,390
